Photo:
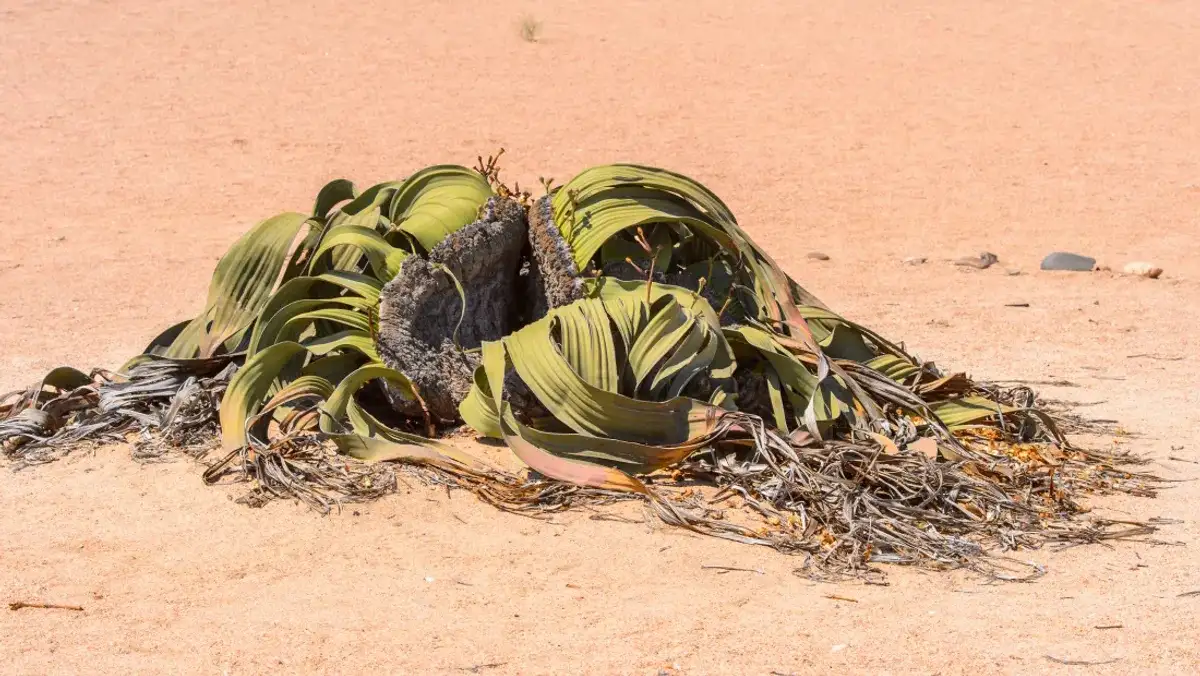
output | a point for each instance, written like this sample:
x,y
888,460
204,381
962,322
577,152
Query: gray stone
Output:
x,y
1061,260
1143,269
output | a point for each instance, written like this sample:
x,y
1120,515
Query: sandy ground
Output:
x,y
137,140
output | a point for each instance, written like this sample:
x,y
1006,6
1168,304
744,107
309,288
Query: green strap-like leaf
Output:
x,y
587,343
478,409
590,410
335,192
349,318
248,387
384,259
967,411
894,367
362,291
408,448
240,287
266,371
290,320
669,327
437,201
628,456
343,397
357,341
551,355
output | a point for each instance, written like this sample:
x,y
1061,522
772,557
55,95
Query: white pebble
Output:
x,y
1143,269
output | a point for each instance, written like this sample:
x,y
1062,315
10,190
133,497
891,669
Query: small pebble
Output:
x,y
1061,260
915,260
817,256
1013,272
838,648
925,446
1143,269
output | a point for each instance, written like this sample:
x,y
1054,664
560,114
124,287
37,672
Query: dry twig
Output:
x,y
17,605
728,569
1081,663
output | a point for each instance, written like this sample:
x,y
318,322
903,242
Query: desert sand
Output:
x,y
138,140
